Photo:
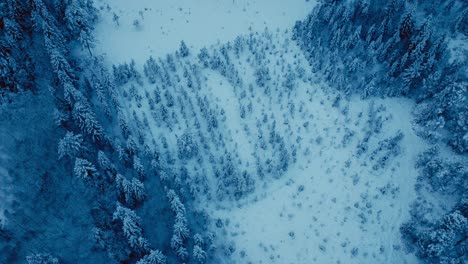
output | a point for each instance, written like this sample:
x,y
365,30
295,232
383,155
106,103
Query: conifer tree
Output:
x,y
154,257
131,228
132,192
407,25
87,121
70,145
84,169
183,50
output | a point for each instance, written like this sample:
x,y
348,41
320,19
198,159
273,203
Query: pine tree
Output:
x,y
182,252
199,254
101,92
407,25
124,126
87,121
187,146
105,163
180,227
204,57
445,238
132,147
80,15
132,192
262,75
115,18
180,230
131,228
453,100
183,50
138,166
198,239
175,202
16,66
151,70
84,169
121,153
154,257
70,145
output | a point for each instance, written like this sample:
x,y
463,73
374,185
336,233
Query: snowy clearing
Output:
x,y
335,202
164,23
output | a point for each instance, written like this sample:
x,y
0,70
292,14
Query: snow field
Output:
x,y
164,23
333,203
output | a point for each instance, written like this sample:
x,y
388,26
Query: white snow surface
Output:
x,y
164,23
321,223
331,206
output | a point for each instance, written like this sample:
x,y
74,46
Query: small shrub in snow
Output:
x,y
187,146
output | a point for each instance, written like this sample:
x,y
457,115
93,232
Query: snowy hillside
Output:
x,y
146,28
299,152
233,131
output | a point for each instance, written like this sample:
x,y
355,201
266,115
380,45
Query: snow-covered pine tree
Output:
x,y
204,57
199,254
138,167
198,239
187,146
176,205
180,230
180,227
132,147
183,49
105,163
182,252
121,153
80,15
16,66
151,70
132,192
445,242
70,145
154,257
87,121
407,25
132,229
84,169
101,92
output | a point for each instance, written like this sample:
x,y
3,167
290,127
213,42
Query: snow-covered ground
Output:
x,y
322,211
333,204
164,23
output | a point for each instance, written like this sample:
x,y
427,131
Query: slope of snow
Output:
x,y
164,23
333,204
322,210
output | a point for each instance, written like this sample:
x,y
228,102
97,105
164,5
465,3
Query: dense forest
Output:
x,y
109,164
400,48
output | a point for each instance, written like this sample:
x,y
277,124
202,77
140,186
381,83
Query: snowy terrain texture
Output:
x,y
233,131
